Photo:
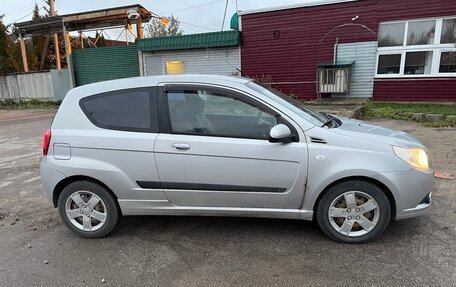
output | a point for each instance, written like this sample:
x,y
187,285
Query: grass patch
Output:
x,y
411,108
440,124
404,111
10,104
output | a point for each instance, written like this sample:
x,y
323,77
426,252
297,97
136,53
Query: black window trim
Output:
x,y
153,97
164,114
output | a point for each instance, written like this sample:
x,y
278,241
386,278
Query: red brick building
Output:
x,y
397,49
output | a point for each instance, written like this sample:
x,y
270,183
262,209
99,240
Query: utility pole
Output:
x,y
56,39
224,14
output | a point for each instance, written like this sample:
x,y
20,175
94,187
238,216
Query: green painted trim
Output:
x,y
336,65
234,23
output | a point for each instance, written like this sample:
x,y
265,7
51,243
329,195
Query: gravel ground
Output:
x,y
37,250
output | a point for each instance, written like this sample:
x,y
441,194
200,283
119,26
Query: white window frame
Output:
x,y
436,48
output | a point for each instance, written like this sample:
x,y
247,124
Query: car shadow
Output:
x,y
201,228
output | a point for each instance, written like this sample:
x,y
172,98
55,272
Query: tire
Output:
x,y
362,220
88,209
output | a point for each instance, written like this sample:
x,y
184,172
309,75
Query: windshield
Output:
x,y
290,103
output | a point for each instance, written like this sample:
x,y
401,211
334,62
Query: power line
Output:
x,y
15,11
24,16
198,26
20,10
191,7
186,23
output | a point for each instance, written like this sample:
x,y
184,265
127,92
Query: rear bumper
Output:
x,y
411,190
49,178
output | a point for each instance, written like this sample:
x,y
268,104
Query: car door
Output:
x,y
213,151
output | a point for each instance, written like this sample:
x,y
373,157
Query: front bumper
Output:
x,y
411,191
418,210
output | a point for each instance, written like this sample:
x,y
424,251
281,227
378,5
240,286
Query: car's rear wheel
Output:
x,y
88,209
353,211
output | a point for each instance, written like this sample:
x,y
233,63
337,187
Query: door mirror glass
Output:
x,y
281,133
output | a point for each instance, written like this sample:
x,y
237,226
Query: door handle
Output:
x,y
181,146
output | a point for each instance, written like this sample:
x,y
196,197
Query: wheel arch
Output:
x,y
68,180
378,183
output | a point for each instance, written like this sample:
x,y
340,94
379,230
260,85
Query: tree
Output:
x,y
101,40
155,28
10,54
47,8
3,47
37,41
36,12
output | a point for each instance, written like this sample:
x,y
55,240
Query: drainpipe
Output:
x,y
335,50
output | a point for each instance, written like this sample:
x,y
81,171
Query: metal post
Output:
x,y
24,54
126,35
56,39
82,40
68,56
141,64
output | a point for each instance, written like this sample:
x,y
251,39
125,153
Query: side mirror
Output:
x,y
281,133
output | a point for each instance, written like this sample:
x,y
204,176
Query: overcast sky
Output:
x,y
205,18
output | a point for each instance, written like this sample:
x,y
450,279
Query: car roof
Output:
x,y
147,81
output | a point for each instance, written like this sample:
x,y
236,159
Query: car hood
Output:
x,y
361,129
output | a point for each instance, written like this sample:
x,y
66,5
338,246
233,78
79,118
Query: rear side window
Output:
x,y
127,110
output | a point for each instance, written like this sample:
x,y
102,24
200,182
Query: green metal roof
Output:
x,y
190,41
336,65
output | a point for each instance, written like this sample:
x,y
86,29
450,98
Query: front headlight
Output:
x,y
416,157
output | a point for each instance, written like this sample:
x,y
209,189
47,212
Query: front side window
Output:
x,y
287,101
389,64
128,110
200,112
418,63
448,62
391,34
448,31
421,32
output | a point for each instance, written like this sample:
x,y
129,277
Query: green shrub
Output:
x,y
31,104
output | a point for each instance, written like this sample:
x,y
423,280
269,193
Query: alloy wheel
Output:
x,y
354,213
86,210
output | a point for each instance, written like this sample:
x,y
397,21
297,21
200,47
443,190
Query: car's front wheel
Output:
x,y
88,209
353,211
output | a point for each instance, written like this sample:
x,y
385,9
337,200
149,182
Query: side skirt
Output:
x,y
163,207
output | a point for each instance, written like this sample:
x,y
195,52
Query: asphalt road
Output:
x,y
37,250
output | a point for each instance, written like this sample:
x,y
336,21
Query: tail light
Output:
x,y
46,141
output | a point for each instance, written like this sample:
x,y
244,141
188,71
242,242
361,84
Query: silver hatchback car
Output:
x,y
225,146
